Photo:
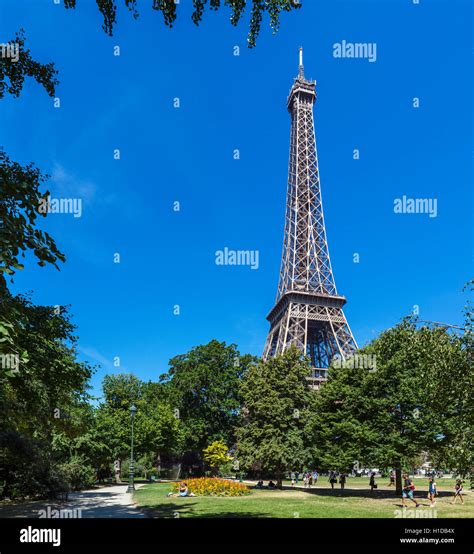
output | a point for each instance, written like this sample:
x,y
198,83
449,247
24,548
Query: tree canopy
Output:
x,y
274,433
169,10
44,409
418,398
204,387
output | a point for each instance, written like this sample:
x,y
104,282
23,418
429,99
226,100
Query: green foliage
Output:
x,y
52,381
27,469
20,198
457,451
156,429
274,434
20,195
168,9
121,391
204,387
77,474
43,406
13,73
419,398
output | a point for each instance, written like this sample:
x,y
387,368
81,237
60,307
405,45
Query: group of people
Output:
x,y
409,489
309,478
334,476
260,485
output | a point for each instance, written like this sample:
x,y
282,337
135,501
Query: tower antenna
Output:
x,y
301,68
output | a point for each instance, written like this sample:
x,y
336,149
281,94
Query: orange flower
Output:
x,y
213,486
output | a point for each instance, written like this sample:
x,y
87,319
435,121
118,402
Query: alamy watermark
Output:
x,y
10,362
357,361
351,50
227,256
61,513
11,51
405,205
31,534
51,205
415,514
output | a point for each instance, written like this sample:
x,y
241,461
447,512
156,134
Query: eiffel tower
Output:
x,y
308,310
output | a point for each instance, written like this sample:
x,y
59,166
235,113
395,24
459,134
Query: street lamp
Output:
x,y
131,486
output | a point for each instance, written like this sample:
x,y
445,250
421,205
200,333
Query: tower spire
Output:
x,y
300,67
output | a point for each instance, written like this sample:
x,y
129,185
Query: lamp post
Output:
x,y
131,486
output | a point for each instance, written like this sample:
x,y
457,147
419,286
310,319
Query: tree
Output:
x,y
458,450
20,206
156,429
20,195
44,403
274,433
215,455
168,9
52,381
20,198
412,401
204,389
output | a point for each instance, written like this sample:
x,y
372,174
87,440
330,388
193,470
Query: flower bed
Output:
x,y
213,486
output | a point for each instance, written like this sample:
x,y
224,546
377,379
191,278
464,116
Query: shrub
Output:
x,y
76,474
26,469
213,486
227,470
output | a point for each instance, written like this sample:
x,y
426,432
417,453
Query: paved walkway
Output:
x,y
108,502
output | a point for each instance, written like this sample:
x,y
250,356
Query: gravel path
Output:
x,y
108,502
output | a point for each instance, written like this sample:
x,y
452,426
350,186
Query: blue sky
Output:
x,y
185,154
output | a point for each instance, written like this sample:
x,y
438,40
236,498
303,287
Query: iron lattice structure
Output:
x,y
308,310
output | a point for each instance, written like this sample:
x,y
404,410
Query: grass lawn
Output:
x,y
321,502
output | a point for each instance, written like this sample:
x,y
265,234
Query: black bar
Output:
x,y
126,532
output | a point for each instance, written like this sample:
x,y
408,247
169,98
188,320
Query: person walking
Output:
x,y
342,480
315,477
332,478
372,483
392,479
408,490
458,488
432,492
306,481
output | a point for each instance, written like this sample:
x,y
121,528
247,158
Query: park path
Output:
x,y
106,502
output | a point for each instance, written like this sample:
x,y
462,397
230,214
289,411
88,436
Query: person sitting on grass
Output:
x,y
259,485
271,485
458,488
408,489
183,491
